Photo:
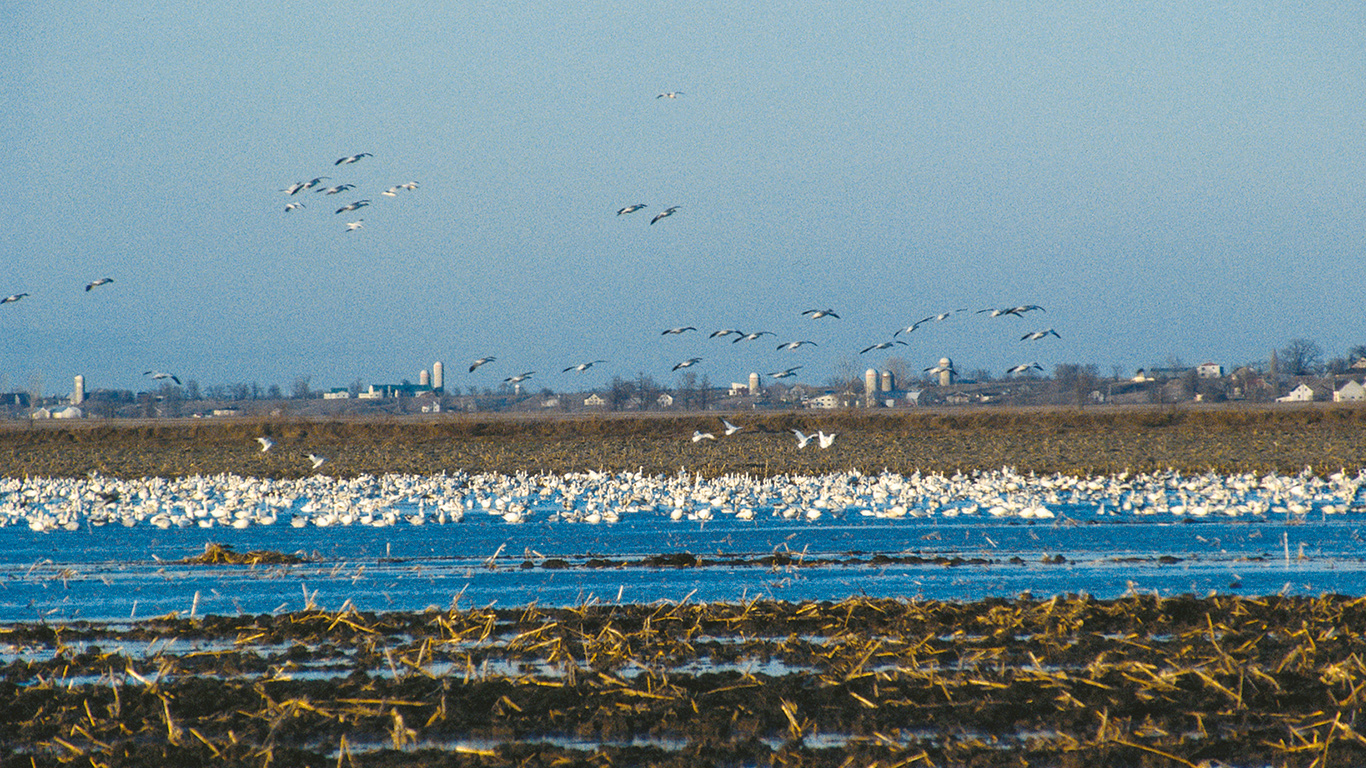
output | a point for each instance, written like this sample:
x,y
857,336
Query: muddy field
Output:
x,y
1138,681
1257,439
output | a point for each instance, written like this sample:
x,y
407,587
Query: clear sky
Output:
x,y
1169,180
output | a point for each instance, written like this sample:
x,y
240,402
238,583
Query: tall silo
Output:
x,y
438,376
945,371
424,379
888,381
78,391
869,381
754,383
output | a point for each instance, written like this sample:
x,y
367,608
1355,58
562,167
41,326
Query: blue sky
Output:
x,y
1170,181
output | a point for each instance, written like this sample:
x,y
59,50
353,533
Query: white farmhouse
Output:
x,y
1301,394
1351,392
829,400
1210,371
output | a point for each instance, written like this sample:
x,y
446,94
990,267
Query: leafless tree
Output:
x,y
620,392
300,390
1300,357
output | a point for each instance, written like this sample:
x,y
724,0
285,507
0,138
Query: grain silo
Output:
x,y
424,379
438,376
754,383
869,381
945,371
78,391
888,381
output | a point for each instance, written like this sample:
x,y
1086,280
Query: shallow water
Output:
x,y
111,572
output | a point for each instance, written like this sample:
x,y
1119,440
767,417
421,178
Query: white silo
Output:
x,y
945,371
78,391
424,379
438,376
869,381
888,381
754,383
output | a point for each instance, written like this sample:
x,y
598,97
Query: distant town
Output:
x,y
1295,374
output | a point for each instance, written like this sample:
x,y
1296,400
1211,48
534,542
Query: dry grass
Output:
x,y
1070,441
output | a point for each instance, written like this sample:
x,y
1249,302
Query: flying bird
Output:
x,y
311,183
670,95
826,440
795,344
317,460
817,314
98,283
10,299
295,188
724,332
753,336
688,363
266,443
158,375
631,208
337,189
1022,367
676,331
802,439
698,435
519,378
667,212
582,366
357,205
1016,311
352,226
730,428
410,186
480,362
352,158
939,369
785,373
391,191
1035,336
293,206
884,345
908,329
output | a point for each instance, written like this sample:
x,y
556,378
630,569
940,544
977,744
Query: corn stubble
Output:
x,y
1070,681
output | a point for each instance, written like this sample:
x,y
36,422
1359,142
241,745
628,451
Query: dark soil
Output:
x,y
1138,681
1251,439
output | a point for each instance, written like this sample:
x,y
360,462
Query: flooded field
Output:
x,y
1138,681
708,614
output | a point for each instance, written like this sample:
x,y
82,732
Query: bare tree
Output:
x,y
620,393
1300,357
648,390
300,390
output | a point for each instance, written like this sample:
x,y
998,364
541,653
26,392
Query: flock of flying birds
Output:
x,y
815,314
316,184
822,439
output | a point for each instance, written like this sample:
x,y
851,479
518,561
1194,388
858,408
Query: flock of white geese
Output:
x,y
72,504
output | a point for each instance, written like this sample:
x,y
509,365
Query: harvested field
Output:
x,y
1326,438
1138,681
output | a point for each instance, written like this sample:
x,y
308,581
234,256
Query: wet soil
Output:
x,y
1325,437
1071,681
